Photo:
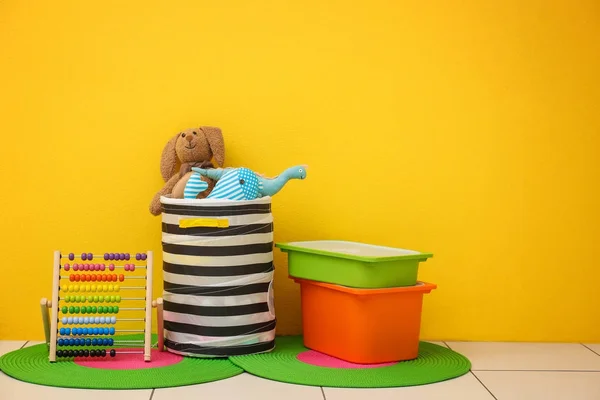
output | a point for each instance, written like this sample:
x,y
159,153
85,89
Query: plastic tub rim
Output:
x,y
422,287
293,246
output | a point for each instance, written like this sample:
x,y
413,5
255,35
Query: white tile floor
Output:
x,y
501,371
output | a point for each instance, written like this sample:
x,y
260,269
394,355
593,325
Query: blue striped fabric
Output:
x,y
194,186
236,184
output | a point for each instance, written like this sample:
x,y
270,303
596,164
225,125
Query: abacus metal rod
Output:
x,y
131,309
102,291
130,319
106,268
129,341
126,278
131,330
78,256
100,294
129,352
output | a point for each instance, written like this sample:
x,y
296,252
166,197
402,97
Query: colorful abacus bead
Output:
x,y
113,353
126,267
111,267
106,256
67,267
75,267
83,256
111,256
121,278
144,256
138,256
127,256
71,256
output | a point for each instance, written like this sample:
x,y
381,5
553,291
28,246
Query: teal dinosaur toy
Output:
x,y
239,183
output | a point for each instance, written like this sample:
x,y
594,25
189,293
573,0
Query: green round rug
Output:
x,y
291,362
31,364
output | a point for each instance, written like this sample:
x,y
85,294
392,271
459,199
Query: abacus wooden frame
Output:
x,y
49,310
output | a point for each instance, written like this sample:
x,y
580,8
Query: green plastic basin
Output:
x,y
353,264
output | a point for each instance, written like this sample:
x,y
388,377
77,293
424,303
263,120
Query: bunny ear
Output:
x,y
168,159
216,143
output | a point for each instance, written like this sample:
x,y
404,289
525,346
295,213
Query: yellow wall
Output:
x,y
467,129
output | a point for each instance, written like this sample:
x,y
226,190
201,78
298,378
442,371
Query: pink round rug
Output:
x,y
130,361
323,360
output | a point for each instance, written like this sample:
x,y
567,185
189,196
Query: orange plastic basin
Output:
x,y
363,326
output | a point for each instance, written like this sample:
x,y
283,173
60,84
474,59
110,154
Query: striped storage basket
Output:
x,y
218,276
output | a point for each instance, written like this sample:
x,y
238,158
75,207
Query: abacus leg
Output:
x,y
44,304
160,326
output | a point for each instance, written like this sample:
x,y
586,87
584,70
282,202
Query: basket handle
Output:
x,y
204,222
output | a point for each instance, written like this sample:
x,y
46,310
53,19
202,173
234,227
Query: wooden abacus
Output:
x,y
104,280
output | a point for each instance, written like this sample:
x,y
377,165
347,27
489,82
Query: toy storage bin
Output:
x,y
218,277
353,264
363,326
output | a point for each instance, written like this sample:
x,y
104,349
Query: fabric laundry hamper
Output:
x,y
218,276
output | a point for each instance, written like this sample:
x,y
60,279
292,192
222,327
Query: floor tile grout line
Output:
x,y
24,344
482,384
590,349
323,393
152,394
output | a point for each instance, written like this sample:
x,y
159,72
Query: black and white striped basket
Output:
x,y
218,277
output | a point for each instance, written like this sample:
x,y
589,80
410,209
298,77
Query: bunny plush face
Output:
x,y
192,145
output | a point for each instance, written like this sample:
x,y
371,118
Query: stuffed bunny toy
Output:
x,y
194,147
